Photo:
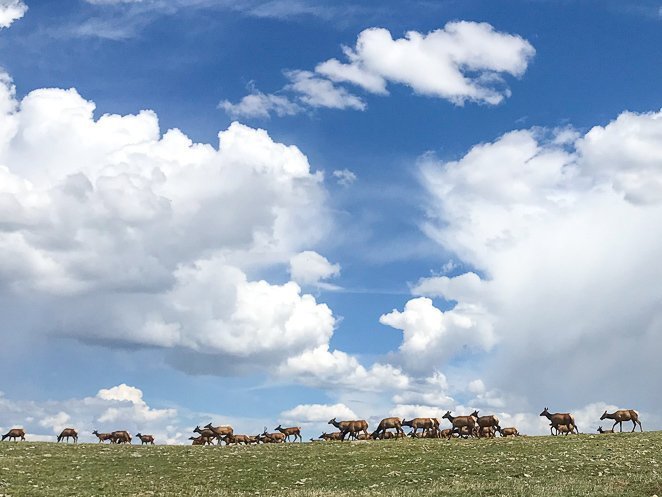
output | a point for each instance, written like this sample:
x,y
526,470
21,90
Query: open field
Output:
x,y
606,465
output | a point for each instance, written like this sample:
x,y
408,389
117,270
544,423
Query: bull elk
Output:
x,y
145,439
426,424
623,415
560,418
351,427
490,421
294,431
66,433
509,432
14,433
601,431
386,424
103,436
459,422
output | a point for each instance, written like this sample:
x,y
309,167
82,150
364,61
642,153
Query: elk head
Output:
x,y
604,416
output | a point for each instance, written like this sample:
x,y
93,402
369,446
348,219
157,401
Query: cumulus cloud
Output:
x,y
563,233
309,268
10,11
345,177
463,61
317,413
260,105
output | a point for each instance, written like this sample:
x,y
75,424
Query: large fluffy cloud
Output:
x,y
564,231
10,11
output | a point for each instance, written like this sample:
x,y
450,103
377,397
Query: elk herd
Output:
x,y
472,425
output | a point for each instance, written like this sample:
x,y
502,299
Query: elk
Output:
x,y
327,437
486,431
560,418
351,427
446,433
461,421
66,433
277,437
565,429
426,424
288,432
387,423
509,432
14,433
120,437
600,430
145,439
220,431
103,436
623,415
208,433
487,421
237,439
200,440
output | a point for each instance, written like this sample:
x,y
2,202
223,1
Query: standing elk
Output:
x,y
292,431
200,440
103,436
387,423
237,439
14,433
145,439
490,421
565,429
601,431
623,415
351,427
459,422
446,433
66,433
208,433
509,432
426,424
120,437
220,431
486,431
560,418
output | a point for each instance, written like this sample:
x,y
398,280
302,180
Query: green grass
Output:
x,y
606,465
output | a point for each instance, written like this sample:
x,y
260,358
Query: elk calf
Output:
x,y
509,432
145,439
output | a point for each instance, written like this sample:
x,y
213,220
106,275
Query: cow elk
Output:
x,y
388,423
67,433
220,431
425,424
460,422
623,415
560,418
14,433
294,431
145,439
120,437
103,436
350,427
490,421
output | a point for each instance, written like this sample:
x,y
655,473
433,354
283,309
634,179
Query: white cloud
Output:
x,y
565,237
317,413
345,177
56,422
260,105
10,11
309,268
319,92
463,61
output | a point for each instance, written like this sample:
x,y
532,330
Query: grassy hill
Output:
x,y
606,465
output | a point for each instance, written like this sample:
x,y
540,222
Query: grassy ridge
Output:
x,y
607,465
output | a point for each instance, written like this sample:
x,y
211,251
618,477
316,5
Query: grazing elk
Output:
x,y
103,436
623,415
386,424
601,431
351,427
560,418
509,432
66,433
120,437
288,432
459,422
208,432
487,421
145,439
426,424
220,431
14,433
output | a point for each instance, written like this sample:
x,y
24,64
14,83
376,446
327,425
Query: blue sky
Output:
x,y
467,233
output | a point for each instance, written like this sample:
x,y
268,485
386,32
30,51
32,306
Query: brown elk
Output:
x,y
120,437
509,432
487,421
237,439
103,436
600,430
426,424
292,431
486,431
565,429
14,433
145,439
386,424
459,422
351,427
200,440
207,432
560,418
330,436
623,415
220,431
276,437
66,433
446,433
